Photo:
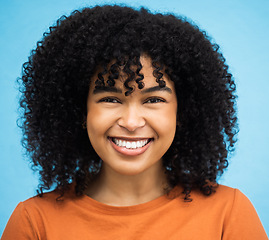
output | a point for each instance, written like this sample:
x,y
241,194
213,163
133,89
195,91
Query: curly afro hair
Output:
x,y
55,85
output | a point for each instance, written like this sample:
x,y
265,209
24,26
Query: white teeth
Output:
x,y
128,144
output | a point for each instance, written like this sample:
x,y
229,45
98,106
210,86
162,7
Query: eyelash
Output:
x,y
154,100
109,100
149,100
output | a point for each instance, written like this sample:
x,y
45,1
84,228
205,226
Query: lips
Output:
x,y
130,146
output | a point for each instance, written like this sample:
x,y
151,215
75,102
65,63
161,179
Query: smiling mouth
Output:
x,y
130,144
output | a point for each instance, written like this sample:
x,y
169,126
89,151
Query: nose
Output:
x,y
132,118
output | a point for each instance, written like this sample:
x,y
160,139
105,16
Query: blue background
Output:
x,y
240,27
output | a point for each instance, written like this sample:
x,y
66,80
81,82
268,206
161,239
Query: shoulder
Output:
x,y
240,217
239,204
231,196
231,210
50,207
221,193
33,216
48,201
225,201
27,218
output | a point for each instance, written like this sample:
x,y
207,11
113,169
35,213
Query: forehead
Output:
x,y
147,70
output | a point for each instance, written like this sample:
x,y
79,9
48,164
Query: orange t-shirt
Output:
x,y
226,214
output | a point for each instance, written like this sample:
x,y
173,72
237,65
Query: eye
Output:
x,y
109,100
154,100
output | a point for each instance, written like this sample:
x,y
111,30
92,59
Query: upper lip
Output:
x,y
132,138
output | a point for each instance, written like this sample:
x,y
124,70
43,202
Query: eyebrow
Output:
x,y
117,90
156,89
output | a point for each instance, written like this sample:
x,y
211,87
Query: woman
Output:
x,y
129,117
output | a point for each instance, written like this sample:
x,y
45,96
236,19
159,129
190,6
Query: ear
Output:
x,y
84,122
84,125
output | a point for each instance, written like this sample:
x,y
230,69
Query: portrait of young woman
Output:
x,y
129,118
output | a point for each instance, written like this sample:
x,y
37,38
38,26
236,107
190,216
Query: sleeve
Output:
x,y
19,226
243,222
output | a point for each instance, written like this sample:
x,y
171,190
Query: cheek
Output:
x,y
164,124
95,129
93,122
94,115
99,120
169,118
167,129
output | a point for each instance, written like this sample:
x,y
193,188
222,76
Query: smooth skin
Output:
x,y
131,176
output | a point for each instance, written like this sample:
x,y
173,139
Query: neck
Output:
x,y
115,189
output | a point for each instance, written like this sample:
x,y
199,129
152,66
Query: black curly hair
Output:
x,y
55,85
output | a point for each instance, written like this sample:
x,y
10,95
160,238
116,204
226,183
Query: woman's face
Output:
x,y
132,133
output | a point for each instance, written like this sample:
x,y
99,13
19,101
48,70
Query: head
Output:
x,y
132,133
104,47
